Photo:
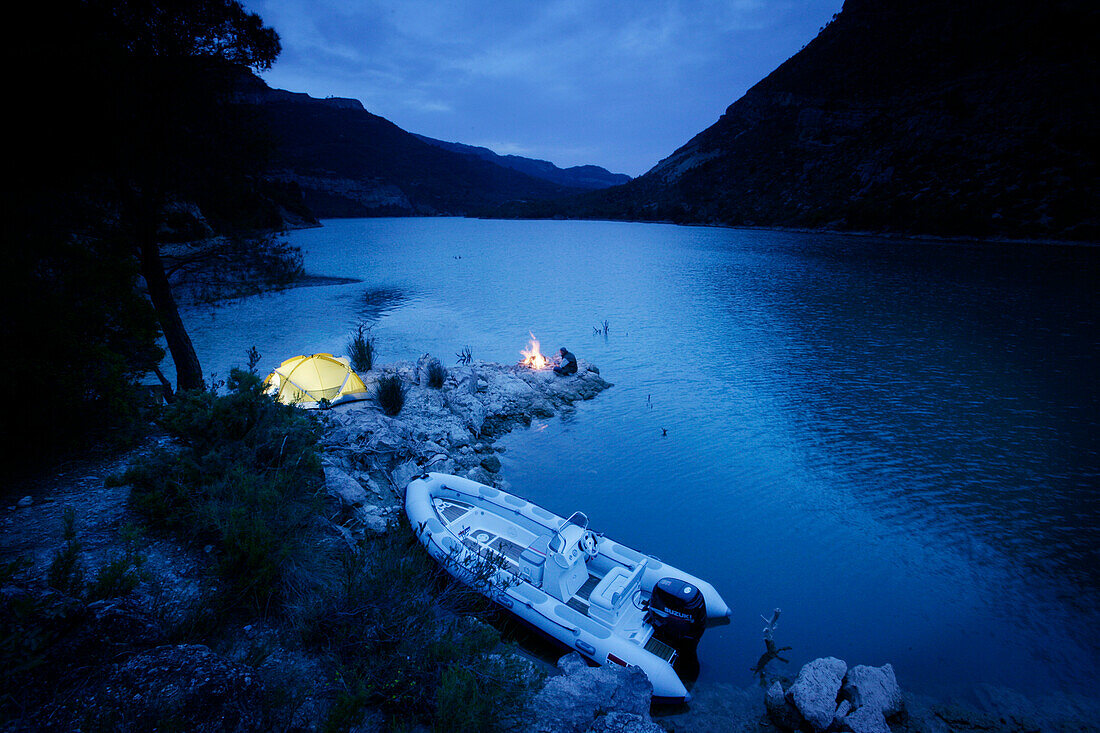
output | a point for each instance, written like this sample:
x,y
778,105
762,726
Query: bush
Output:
x,y
389,622
437,374
123,571
361,350
66,574
245,482
390,394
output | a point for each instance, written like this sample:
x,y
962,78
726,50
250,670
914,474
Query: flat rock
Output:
x,y
462,380
468,408
404,473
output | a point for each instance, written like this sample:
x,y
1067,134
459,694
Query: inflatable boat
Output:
x,y
611,603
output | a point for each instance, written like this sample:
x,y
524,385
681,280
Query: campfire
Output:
x,y
532,357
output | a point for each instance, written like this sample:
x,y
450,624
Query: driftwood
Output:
x,y
771,651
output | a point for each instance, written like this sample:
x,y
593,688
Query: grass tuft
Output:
x,y
437,374
361,349
390,394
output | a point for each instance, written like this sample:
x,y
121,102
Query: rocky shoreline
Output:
x,y
131,668
369,457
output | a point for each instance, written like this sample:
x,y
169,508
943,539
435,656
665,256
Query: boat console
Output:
x,y
567,571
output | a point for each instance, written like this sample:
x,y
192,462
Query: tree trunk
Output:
x,y
188,370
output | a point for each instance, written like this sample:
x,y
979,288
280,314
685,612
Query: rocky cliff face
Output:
x,y
937,117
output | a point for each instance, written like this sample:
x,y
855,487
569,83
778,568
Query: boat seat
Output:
x,y
617,586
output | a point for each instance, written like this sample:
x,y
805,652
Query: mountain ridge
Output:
x,y
578,176
349,162
937,118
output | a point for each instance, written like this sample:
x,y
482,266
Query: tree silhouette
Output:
x,y
121,110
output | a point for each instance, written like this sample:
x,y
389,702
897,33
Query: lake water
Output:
x,y
893,441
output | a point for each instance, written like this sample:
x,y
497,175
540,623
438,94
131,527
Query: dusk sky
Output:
x,y
616,84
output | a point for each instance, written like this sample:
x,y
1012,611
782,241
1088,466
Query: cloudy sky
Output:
x,y
616,83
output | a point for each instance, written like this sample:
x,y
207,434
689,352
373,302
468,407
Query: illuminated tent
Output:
x,y
306,380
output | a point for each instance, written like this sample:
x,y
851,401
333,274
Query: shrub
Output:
x,y
245,481
123,572
66,574
437,374
389,621
361,349
390,394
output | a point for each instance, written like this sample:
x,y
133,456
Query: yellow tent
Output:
x,y
306,380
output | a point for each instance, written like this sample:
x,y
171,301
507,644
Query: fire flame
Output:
x,y
532,357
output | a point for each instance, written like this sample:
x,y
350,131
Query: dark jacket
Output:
x,y
568,364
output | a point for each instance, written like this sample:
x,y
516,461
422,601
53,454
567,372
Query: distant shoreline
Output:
x,y
931,238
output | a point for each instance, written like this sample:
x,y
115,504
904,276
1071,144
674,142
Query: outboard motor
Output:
x,y
678,613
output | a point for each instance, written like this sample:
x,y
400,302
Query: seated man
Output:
x,y
568,363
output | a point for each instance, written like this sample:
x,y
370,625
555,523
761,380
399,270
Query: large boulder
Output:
x,y
873,687
815,691
580,698
404,473
343,486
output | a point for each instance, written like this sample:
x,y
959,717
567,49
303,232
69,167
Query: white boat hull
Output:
x,y
498,543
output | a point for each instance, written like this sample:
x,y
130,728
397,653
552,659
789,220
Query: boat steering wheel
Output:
x,y
590,543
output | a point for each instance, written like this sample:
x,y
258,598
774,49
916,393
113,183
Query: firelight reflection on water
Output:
x,y
893,441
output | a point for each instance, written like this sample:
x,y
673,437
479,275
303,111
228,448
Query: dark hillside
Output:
x,y
940,117
578,176
349,162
